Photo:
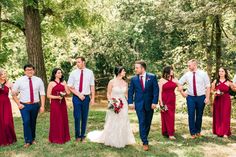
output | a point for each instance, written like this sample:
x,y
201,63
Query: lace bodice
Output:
x,y
118,92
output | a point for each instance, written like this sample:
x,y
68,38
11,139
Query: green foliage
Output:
x,y
110,33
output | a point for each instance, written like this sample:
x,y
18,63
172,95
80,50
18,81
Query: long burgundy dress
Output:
x,y
7,132
59,127
168,117
222,111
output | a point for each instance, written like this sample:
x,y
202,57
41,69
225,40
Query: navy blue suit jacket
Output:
x,y
143,99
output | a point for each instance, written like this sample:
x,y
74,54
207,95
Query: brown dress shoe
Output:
x,y
193,136
27,145
145,147
78,140
198,135
83,140
34,142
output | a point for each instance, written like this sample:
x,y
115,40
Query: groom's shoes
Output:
x,y
78,140
145,147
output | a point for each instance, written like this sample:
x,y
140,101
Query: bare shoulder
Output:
x,y
161,80
175,80
111,82
230,83
51,84
214,82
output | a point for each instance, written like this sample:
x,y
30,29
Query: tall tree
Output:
x,y
34,38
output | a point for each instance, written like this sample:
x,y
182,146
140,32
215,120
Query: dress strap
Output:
x,y
3,85
56,82
224,81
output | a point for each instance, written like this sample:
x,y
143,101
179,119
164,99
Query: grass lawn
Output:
x,y
208,145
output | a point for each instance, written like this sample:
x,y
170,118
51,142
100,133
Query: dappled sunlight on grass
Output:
x,y
207,145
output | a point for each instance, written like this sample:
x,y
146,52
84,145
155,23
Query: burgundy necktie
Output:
x,y
31,90
194,84
81,81
141,81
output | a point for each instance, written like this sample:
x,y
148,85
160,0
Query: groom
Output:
x,y
144,92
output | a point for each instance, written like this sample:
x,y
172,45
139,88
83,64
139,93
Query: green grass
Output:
x,y
159,146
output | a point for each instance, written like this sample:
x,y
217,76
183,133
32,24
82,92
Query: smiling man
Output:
x,y
29,87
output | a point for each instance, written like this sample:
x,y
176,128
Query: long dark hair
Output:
x,y
226,75
53,76
166,72
118,70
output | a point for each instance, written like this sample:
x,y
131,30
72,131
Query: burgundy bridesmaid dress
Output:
x,y
222,111
59,127
168,117
7,132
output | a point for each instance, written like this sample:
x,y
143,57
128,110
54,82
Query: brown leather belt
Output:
x,y
29,103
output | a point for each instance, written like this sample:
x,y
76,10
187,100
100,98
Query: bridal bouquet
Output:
x,y
115,104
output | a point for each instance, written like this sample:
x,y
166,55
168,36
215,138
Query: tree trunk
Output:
x,y
34,39
218,34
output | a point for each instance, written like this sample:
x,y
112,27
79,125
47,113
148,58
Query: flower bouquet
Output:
x,y
218,92
163,108
115,104
62,94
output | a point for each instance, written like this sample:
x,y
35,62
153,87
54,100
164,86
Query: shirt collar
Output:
x,y
81,69
144,75
28,77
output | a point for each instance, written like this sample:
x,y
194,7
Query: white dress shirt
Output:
x,y
234,79
202,82
22,86
88,80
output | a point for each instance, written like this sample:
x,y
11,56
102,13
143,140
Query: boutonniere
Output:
x,y
148,79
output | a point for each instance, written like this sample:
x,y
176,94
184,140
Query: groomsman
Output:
x,y
82,85
29,87
198,93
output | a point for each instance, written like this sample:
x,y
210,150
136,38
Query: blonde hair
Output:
x,y
1,72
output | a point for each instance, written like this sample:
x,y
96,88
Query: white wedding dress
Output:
x,y
117,131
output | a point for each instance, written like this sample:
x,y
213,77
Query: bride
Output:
x,y
117,131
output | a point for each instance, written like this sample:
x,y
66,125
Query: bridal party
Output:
x,y
144,93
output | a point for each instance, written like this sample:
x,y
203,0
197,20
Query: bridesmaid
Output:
x,y
222,104
59,127
7,131
167,85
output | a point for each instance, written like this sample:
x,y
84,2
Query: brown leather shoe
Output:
x,y
34,142
78,140
145,147
83,140
27,145
193,136
198,135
